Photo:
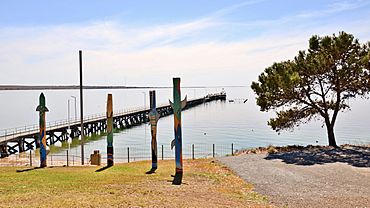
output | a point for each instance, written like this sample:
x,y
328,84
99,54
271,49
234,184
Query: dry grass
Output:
x,y
205,184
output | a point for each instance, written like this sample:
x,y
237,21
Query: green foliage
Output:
x,y
317,83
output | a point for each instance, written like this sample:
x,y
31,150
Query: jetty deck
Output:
x,y
18,140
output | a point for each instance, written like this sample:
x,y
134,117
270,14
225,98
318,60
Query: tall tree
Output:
x,y
316,84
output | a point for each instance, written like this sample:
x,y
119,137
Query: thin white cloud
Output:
x,y
148,55
232,8
333,8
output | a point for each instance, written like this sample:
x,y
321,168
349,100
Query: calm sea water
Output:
x,y
220,123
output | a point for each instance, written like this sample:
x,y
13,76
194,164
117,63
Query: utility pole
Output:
x,y
81,112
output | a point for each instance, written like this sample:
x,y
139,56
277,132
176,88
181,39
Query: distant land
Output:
x,y
75,87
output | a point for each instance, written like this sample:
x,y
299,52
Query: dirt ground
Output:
x,y
319,177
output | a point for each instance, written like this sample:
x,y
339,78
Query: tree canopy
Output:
x,y
316,84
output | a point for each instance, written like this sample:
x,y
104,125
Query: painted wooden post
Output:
x,y
109,130
42,109
177,106
153,118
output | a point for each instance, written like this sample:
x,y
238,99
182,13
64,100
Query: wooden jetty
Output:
x,y
20,140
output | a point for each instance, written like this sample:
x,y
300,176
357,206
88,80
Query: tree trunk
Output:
x,y
331,137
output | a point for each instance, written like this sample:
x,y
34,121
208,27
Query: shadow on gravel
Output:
x,y
352,155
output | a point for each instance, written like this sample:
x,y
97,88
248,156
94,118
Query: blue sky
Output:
x,y
206,42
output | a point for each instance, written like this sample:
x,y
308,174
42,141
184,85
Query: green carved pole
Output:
x,y
177,106
41,108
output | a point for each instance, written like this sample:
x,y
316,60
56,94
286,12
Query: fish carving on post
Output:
x,y
109,131
177,106
153,119
42,109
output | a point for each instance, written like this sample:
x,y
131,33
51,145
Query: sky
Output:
x,y
146,43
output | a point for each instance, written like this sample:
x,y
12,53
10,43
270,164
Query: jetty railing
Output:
x,y
126,154
24,139
55,124
11,133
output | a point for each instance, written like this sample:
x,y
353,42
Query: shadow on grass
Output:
x,y
352,155
151,171
103,168
177,179
28,169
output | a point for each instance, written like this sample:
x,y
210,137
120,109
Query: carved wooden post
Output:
x,y
153,118
177,106
109,130
42,125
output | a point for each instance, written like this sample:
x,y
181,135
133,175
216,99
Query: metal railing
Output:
x,y
127,154
55,124
10,133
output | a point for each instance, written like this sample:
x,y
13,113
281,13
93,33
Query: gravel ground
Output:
x,y
288,181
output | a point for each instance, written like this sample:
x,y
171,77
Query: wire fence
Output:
x,y
125,155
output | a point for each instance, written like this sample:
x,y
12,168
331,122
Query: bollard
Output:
x,y
67,159
128,154
192,151
162,151
30,158
213,150
51,159
232,149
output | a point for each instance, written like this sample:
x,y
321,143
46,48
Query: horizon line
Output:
x,y
73,87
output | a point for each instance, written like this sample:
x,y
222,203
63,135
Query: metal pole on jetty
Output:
x,y
82,112
109,130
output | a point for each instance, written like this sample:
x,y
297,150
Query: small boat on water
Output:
x,y
231,101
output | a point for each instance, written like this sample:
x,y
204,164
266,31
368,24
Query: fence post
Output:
x,y
67,159
213,150
30,158
73,160
162,151
51,159
232,149
128,154
192,151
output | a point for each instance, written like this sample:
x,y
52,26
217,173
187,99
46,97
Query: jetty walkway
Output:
x,y
18,140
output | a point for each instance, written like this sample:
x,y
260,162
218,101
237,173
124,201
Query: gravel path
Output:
x,y
331,184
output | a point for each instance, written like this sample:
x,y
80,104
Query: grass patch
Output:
x,y
205,184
